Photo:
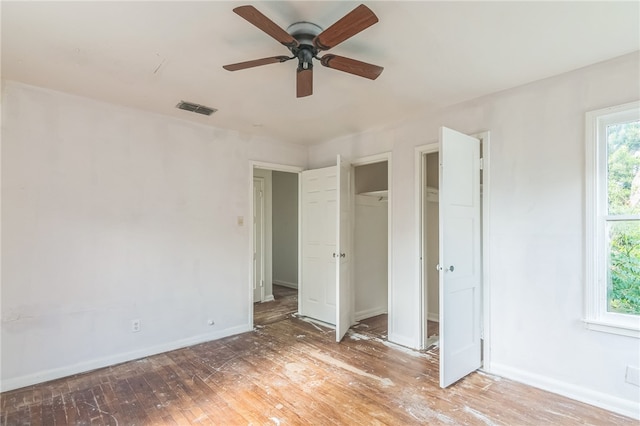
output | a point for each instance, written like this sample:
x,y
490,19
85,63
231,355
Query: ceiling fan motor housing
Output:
x,y
304,33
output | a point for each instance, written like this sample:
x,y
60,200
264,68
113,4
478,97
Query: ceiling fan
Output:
x,y
305,40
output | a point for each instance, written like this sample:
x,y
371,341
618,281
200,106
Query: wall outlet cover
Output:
x,y
633,375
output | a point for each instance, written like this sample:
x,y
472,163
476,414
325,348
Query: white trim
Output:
x,y
275,167
285,284
418,170
595,300
617,405
622,217
432,316
300,284
608,327
268,298
262,181
368,313
485,138
82,367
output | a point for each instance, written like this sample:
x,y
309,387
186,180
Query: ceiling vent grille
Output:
x,y
199,109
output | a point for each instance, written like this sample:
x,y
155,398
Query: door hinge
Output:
x,y
261,283
481,163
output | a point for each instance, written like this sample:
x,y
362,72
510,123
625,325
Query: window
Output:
x,y
613,219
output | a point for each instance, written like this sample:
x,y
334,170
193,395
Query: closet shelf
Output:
x,y
383,193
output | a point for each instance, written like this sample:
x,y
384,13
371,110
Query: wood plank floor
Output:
x,y
284,305
290,372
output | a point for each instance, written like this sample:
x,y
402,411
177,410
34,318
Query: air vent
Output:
x,y
200,109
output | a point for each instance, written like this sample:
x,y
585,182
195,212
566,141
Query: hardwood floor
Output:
x,y
284,305
287,372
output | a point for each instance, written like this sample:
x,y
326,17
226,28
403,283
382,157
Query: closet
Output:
x,y
370,240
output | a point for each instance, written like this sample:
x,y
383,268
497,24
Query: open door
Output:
x,y
460,256
344,290
325,292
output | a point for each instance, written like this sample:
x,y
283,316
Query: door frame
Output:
x,y
266,166
261,252
485,327
362,161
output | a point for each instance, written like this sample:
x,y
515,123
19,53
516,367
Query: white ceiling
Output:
x,y
151,55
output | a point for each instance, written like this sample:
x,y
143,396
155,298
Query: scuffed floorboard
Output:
x,y
291,372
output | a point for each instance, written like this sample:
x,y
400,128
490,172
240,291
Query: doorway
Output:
x,y
337,252
275,243
371,243
451,176
430,247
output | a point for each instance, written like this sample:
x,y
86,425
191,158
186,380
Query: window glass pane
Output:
x,y
623,168
623,292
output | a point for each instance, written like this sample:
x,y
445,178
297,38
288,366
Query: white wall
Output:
x,y
371,177
370,268
285,229
536,239
111,214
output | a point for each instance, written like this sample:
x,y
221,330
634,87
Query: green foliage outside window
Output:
x,y
623,177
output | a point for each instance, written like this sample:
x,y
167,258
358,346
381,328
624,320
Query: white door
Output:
x,y
460,256
318,229
258,239
325,291
344,289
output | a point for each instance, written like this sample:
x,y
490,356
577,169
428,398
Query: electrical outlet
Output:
x,y
135,325
633,375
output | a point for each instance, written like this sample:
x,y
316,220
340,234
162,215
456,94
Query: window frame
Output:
x,y
596,315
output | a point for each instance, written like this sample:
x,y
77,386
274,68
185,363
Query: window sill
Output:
x,y
628,330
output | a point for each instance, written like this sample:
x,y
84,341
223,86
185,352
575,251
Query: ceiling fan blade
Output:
x,y
351,66
304,82
255,17
255,63
349,25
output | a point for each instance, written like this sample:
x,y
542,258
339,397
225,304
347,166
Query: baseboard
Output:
x,y
285,284
617,405
368,313
269,298
433,317
94,364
